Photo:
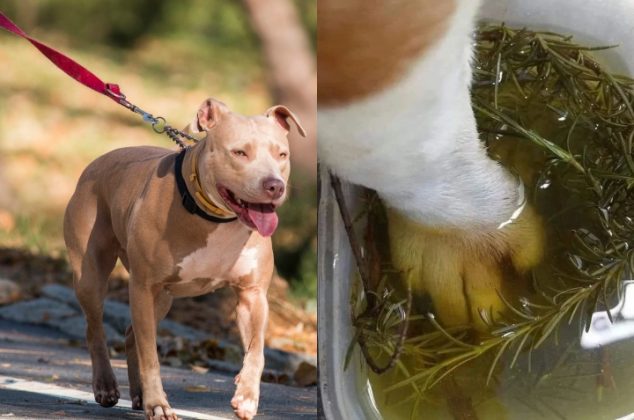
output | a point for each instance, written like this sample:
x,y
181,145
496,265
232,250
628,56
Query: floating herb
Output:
x,y
546,96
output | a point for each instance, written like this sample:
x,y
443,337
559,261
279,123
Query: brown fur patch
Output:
x,y
364,46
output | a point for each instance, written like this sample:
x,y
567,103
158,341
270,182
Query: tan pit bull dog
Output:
x,y
183,224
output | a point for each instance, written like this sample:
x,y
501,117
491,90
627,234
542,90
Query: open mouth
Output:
x,y
258,216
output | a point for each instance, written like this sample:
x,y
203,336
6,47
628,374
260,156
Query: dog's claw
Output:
x,y
464,272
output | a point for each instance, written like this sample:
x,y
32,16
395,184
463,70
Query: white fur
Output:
x,y
245,407
416,142
247,262
206,260
196,264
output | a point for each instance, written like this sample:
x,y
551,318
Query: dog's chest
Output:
x,y
221,261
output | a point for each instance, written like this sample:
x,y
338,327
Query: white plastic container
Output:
x,y
346,395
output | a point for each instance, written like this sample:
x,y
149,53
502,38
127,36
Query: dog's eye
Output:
x,y
283,155
240,153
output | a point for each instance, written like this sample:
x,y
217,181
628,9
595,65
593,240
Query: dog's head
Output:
x,y
245,161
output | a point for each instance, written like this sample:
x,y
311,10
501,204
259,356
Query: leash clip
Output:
x,y
159,124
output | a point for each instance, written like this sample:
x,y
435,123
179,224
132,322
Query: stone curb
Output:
x,y
58,308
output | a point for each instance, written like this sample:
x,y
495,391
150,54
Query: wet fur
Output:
x,y
412,137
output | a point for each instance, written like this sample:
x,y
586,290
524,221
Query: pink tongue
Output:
x,y
263,217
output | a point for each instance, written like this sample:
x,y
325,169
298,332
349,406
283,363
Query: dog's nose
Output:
x,y
274,187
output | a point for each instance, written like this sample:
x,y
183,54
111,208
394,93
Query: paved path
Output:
x,y
41,377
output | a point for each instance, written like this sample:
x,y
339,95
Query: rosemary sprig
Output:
x,y
540,92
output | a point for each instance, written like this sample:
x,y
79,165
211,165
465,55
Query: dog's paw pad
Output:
x,y
245,408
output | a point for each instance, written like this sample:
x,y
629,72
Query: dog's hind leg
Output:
x,y
92,252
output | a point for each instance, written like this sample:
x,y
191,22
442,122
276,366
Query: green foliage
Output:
x,y
119,23
124,23
33,232
308,12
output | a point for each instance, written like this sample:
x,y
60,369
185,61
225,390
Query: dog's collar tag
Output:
x,y
188,201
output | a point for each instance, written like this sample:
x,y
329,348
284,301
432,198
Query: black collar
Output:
x,y
188,201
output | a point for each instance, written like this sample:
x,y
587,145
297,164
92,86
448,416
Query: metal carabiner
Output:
x,y
158,125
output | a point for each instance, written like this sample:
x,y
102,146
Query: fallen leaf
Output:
x,y
197,388
199,369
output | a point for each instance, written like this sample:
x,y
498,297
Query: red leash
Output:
x,y
66,64
89,79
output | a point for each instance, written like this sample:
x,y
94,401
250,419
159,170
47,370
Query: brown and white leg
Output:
x,y
252,318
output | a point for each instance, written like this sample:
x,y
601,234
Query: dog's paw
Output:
x,y
464,272
244,407
245,401
159,410
106,390
137,401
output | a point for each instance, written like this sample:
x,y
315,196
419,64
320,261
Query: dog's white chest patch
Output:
x,y
247,262
198,264
213,260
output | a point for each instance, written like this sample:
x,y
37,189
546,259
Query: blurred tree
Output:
x,y
291,70
119,23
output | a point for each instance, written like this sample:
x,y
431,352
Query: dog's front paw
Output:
x,y
464,272
105,389
245,401
244,407
158,409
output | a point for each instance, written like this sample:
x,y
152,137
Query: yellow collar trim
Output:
x,y
201,197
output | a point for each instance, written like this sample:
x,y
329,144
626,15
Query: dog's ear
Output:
x,y
282,115
208,115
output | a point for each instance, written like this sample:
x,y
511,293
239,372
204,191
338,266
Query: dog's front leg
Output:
x,y
252,318
143,301
162,305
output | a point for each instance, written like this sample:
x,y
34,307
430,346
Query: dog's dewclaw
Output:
x,y
464,272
